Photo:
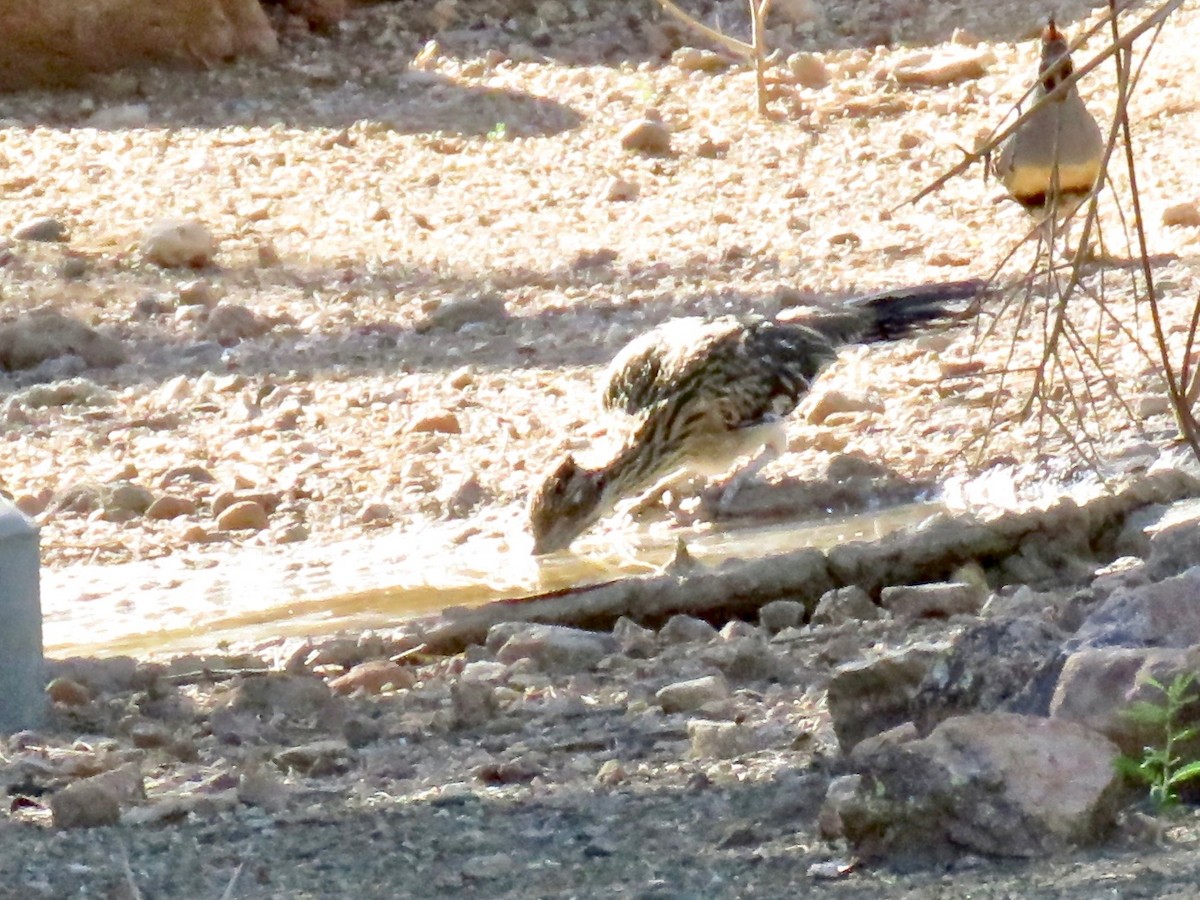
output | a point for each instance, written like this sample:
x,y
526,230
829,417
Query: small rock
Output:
x,y
68,692
373,677
691,59
170,507
375,512
489,866
1001,664
85,804
43,335
688,696
721,740
120,118
436,423
1097,685
633,640
798,12
935,600
197,293
474,703
150,735
485,309
230,323
780,614
682,629
248,515
833,401
927,70
808,70
556,648
742,659
1181,214
867,697
1161,614
618,190
126,497
647,135
848,604
45,228
327,757
178,243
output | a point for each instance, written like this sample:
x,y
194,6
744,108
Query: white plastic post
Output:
x,y
22,670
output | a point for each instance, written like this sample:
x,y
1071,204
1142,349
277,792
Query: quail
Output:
x,y
1051,162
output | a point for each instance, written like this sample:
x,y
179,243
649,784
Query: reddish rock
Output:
x,y
246,515
61,42
170,507
373,677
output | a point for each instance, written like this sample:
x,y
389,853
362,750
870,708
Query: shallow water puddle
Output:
x,y
176,604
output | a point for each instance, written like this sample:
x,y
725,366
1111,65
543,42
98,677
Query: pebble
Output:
x,y
437,423
231,323
84,804
326,757
170,507
646,135
68,692
721,740
808,70
780,614
682,629
1182,214
45,228
691,59
618,190
848,604
373,677
178,243
941,599
119,118
247,515
196,293
688,696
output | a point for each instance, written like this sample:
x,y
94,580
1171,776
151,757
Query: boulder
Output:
x,y
998,784
869,697
57,43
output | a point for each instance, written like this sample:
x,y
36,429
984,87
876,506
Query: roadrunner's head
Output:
x,y
569,501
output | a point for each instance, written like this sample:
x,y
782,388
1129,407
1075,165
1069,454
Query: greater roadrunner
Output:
x,y
702,394
1050,164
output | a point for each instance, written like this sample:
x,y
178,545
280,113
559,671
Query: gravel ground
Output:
x,y
428,240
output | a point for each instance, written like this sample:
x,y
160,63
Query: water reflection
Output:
x,y
177,605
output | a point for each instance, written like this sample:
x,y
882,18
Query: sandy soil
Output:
x,y
433,249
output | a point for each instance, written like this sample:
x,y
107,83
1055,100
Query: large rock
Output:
x,y
44,334
993,666
866,698
998,784
556,648
61,42
1163,614
1098,684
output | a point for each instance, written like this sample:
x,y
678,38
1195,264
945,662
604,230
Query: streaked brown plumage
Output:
x,y
1051,163
702,394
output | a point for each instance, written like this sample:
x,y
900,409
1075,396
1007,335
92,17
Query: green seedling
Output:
x,y
1159,766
